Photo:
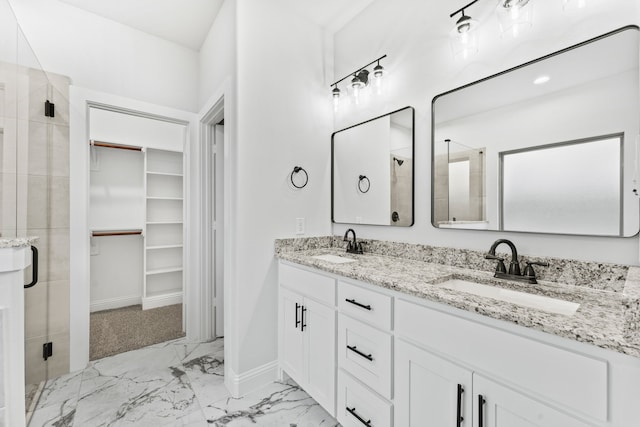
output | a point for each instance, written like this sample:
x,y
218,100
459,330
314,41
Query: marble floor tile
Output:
x,y
60,414
141,387
60,389
177,383
275,405
204,365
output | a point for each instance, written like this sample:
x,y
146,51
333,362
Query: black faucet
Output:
x,y
353,247
514,266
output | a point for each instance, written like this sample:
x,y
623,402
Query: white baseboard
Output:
x,y
161,300
111,303
239,385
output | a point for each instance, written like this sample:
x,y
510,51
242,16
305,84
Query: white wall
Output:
x,y
217,60
284,120
421,66
103,55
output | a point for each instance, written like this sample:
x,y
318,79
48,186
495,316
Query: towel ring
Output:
x,y
362,178
297,169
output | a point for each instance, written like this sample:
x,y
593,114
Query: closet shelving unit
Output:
x,y
163,254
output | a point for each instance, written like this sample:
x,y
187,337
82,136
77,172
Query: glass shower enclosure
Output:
x,y
34,196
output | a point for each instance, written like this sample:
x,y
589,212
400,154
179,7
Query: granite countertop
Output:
x,y
605,318
17,242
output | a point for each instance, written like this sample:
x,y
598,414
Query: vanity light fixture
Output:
x,y
464,37
360,81
514,16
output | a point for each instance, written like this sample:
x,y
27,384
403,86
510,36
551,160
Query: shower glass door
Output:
x,y
34,196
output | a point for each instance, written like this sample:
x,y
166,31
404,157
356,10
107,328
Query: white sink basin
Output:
x,y
539,302
334,258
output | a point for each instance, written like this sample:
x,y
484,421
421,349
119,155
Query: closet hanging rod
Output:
x,y
115,233
112,145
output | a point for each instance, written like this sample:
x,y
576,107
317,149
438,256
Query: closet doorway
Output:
x,y
137,229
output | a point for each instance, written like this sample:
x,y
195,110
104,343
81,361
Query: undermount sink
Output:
x,y
336,259
539,302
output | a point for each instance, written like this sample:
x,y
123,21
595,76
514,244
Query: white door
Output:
x,y
319,324
427,389
504,407
217,237
292,357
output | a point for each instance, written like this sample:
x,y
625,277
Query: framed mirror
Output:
x,y
550,146
372,171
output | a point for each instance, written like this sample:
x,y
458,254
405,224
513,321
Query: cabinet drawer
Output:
x,y
357,405
570,379
307,283
372,307
365,352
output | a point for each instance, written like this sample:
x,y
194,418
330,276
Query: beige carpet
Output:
x,y
129,328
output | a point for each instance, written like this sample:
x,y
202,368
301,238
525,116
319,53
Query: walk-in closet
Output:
x,y
136,221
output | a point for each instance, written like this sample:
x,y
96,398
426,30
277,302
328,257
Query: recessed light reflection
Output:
x,y
541,80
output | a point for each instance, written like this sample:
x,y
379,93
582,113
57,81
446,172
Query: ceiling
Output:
x,y
187,22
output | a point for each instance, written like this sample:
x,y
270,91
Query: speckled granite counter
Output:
x,y
608,318
17,242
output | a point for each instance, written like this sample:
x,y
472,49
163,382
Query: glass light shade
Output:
x,y
515,16
464,44
335,94
356,87
378,79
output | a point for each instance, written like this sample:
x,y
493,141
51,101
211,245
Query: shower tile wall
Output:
x,y
43,189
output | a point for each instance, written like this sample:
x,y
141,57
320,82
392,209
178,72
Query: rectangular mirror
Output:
x,y
372,171
546,147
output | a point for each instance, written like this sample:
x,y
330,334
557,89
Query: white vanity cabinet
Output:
x,y
390,359
498,406
430,391
523,382
365,354
307,350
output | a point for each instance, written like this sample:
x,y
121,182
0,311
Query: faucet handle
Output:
x,y
528,270
500,267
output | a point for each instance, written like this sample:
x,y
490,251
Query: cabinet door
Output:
x,y
320,342
504,407
292,336
427,390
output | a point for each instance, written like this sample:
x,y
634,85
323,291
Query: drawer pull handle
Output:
x,y
297,320
358,352
354,302
353,412
459,417
304,323
481,403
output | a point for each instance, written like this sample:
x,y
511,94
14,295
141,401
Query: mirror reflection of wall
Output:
x,y
381,150
588,91
572,187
